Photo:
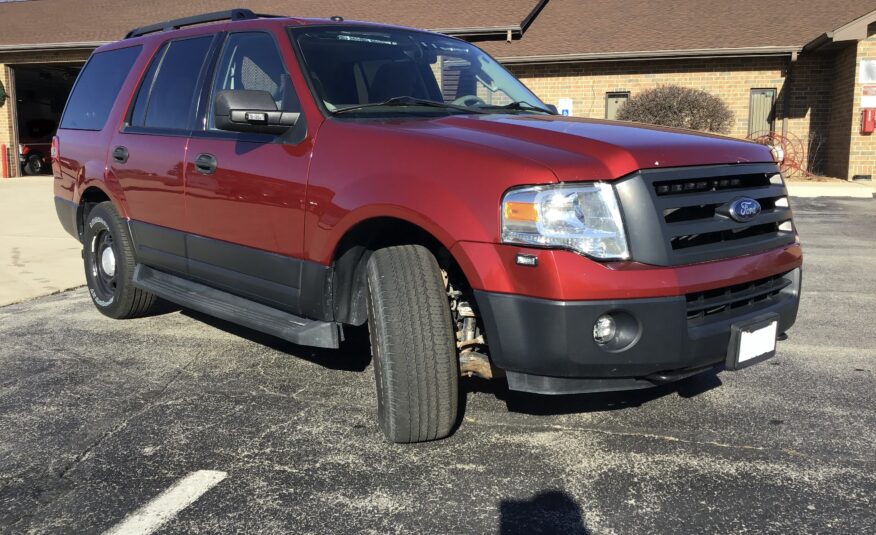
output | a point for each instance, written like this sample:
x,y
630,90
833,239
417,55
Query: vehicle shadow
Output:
x,y
354,354
552,511
536,404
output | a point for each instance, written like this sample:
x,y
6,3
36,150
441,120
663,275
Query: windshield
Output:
x,y
363,72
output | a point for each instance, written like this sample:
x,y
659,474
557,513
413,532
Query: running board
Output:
x,y
235,309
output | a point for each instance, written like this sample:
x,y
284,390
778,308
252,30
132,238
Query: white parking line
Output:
x,y
167,504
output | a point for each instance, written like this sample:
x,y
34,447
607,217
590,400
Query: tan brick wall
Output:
x,y
731,79
862,149
8,60
6,112
841,120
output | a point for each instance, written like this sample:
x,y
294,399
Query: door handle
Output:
x,y
206,164
120,154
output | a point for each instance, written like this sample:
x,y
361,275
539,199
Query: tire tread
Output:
x,y
412,337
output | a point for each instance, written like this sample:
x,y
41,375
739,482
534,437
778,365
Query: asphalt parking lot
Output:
x,y
98,417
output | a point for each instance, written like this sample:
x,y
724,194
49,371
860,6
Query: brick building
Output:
x,y
802,68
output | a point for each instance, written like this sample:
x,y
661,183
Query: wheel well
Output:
x,y
349,285
91,197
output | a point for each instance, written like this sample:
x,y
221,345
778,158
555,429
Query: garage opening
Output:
x,y
40,94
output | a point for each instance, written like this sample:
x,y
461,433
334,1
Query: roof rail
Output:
x,y
175,24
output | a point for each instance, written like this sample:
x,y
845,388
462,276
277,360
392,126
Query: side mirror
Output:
x,y
241,110
552,108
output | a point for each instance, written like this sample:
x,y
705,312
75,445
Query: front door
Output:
x,y
761,116
245,192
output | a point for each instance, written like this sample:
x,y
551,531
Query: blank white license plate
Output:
x,y
753,344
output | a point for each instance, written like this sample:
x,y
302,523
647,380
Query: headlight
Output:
x,y
582,217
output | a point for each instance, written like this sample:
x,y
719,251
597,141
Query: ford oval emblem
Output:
x,y
744,209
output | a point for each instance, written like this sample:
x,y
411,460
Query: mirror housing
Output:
x,y
552,108
243,110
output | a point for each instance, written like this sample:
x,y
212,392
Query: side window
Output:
x,y
251,61
96,89
167,94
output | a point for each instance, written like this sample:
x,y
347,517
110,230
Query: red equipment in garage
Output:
x,y
4,162
868,120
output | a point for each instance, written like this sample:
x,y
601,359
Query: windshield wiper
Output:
x,y
520,105
407,101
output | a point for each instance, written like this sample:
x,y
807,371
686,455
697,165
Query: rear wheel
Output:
x,y
413,345
109,265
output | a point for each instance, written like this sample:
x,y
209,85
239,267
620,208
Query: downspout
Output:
x,y
786,104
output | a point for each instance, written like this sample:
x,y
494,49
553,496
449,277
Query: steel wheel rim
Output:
x,y
103,257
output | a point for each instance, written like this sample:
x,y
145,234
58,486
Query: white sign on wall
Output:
x,y
868,71
868,96
564,106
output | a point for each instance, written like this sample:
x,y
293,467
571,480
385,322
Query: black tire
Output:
x,y
34,165
412,343
112,293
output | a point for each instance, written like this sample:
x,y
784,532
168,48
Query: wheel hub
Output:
x,y
108,262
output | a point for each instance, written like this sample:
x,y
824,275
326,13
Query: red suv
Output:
x,y
299,176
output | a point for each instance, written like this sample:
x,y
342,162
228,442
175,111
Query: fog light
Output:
x,y
604,330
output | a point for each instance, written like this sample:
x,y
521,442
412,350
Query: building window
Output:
x,y
761,112
614,100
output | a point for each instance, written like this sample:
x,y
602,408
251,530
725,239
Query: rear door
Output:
x,y
146,156
245,192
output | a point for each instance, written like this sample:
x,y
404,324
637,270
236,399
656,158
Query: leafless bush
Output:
x,y
679,107
814,152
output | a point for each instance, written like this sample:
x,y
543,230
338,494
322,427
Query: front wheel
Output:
x,y
109,265
412,342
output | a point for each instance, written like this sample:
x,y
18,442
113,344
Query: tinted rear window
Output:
x,y
96,89
166,96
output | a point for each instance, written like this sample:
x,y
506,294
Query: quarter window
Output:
x,y
167,94
96,89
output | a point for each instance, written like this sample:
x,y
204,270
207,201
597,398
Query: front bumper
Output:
x,y
546,346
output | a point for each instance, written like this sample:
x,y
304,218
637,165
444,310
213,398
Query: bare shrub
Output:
x,y
679,107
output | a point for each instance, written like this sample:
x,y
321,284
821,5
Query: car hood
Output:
x,y
578,149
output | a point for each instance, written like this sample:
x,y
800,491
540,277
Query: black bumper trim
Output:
x,y
67,211
540,384
554,339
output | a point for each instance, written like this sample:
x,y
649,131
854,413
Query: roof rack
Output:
x,y
216,16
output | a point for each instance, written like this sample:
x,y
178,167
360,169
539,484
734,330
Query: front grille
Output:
x,y
736,299
681,216
699,185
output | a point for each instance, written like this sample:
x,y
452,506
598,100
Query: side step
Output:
x,y
239,310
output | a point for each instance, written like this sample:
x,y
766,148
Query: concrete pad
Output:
x,y
36,256
830,189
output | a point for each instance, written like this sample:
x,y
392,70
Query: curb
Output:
x,y
829,189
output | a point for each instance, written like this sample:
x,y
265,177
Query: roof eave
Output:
x,y
48,47
481,32
654,55
855,30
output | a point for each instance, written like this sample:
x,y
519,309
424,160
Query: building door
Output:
x,y
613,103
761,118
